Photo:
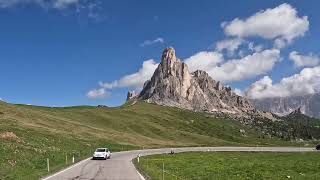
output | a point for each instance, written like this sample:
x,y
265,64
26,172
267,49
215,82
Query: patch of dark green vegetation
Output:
x,y
292,127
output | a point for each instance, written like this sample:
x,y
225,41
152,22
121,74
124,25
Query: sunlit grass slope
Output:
x,y
30,134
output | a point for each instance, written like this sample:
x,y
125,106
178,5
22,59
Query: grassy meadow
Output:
x,y
231,165
30,134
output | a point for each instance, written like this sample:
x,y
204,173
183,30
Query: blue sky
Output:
x,y
53,53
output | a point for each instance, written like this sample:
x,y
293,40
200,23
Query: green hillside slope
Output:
x,y
30,134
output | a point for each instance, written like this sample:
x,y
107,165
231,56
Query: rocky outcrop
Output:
x,y
131,95
102,106
173,85
310,105
296,112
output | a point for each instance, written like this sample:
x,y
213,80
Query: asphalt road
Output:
x,y
120,166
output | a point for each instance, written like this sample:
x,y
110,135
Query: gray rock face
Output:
x,y
310,105
296,112
173,85
131,95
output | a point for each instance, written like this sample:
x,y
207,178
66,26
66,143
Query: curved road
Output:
x,y
120,166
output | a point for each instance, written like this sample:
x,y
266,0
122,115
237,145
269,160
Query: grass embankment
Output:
x,y
30,134
231,165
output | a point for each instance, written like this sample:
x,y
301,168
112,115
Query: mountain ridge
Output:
x,y
310,104
173,85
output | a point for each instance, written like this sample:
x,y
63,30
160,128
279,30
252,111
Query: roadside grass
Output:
x,y
45,132
26,157
231,165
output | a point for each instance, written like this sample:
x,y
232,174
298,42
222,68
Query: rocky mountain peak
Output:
x,y
169,62
131,95
172,66
297,114
200,73
169,54
298,111
173,85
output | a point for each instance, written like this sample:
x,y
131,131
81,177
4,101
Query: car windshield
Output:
x,y
101,150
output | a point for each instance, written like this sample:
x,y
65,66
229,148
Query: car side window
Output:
x,y
101,150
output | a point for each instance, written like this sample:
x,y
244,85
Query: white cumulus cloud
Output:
x,y
100,93
204,61
255,48
135,80
231,45
247,67
306,82
304,60
151,42
233,70
281,23
238,92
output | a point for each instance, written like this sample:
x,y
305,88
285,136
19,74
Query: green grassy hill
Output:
x,y
30,134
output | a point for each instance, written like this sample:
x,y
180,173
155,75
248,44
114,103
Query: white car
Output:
x,y
102,153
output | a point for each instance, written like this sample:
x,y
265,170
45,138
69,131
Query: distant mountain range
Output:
x,y
310,105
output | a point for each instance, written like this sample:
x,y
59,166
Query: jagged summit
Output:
x,y
131,95
169,54
173,85
298,111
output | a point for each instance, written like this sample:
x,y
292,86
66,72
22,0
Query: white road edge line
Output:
x,y
141,177
70,167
